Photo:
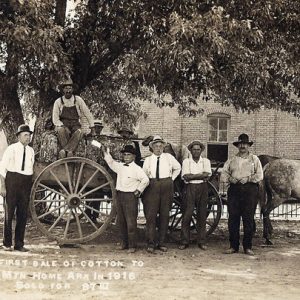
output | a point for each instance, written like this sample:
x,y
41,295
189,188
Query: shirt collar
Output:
x,y
200,159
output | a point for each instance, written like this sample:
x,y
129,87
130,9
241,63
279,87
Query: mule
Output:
x,y
281,183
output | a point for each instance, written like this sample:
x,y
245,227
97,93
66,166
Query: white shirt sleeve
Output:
x,y
176,168
185,168
85,111
144,180
115,166
56,114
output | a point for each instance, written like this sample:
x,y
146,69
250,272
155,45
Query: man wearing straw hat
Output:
x,y
195,172
67,111
16,169
243,172
162,169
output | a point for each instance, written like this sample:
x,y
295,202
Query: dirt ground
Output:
x,y
97,271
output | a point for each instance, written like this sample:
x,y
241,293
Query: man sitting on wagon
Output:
x,y
67,111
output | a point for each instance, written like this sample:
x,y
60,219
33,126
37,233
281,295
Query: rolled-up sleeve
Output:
x,y
144,180
176,168
185,168
226,174
7,156
56,114
258,175
85,111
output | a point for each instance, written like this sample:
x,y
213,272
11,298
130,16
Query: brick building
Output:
x,y
274,132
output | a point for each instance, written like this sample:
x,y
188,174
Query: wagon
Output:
x,y
73,199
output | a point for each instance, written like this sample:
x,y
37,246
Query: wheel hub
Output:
x,y
73,200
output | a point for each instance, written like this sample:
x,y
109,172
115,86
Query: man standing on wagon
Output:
x,y
131,182
67,111
162,169
195,172
243,172
16,169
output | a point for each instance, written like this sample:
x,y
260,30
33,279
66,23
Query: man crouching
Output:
x,y
131,182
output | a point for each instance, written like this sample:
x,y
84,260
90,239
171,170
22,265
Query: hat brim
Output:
x,y
239,142
31,132
126,151
124,130
155,142
190,146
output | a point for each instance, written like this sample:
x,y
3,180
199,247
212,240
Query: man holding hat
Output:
x,y
162,169
131,182
67,111
243,172
195,172
16,169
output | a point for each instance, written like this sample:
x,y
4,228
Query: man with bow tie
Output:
x,y
131,182
16,169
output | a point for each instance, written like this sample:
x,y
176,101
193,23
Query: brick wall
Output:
x,y
273,132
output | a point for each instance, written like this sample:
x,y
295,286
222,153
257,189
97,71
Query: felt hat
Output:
x,y
23,128
125,129
243,139
129,149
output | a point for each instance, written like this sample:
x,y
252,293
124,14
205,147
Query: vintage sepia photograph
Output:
x,y
150,149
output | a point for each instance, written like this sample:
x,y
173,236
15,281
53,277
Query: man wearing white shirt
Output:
x,y
16,169
131,182
162,169
195,172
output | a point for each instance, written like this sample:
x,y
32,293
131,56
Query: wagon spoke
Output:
x,y
52,190
58,219
97,199
89,180
69,178
45,201
92,208
88,218
67,225
59,182
79,177
95,189
50,212
78,225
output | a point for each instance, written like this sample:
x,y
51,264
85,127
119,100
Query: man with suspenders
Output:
x,y
195,172
67,111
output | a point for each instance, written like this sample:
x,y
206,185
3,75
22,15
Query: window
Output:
x,y
217,145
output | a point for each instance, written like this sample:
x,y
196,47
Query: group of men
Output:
x,y
153,183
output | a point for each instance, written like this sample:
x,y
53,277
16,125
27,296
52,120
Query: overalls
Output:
x,y
70,134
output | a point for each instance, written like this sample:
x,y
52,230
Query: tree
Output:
x,y
240,52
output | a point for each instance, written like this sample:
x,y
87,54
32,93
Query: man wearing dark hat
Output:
x,y
131,182
162,169
243,172
16,169
67,111
127,135
195,172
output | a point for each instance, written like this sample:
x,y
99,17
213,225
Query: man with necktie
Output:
x,y
131,182
162,169
16,169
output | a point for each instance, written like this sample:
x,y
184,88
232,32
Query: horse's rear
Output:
x,y
281,182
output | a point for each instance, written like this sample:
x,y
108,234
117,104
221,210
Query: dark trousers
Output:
x,y
69,137
242,200
195,196
157,199
17,199
127,212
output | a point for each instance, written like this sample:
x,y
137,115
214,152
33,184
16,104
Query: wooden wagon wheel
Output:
x,y
67,195
214,211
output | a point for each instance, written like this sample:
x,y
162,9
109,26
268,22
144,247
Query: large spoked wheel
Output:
x,y
73,200
214,211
